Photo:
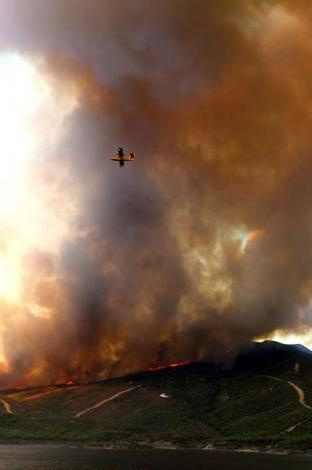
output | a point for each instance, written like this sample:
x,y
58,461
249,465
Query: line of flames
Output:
x,y
70,383
167,366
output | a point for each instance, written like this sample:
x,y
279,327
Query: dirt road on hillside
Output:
x,y
301,395
100,403
6,406
42,394
300,392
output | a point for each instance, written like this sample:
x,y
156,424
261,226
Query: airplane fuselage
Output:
x,y
121,158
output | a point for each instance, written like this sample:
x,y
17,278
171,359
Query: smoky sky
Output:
x,y
215,99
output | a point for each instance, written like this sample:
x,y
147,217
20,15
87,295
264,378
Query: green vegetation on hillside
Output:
x,y
203,405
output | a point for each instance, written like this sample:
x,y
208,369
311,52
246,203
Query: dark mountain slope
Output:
x,y
251,399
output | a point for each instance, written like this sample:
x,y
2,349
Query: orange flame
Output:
x,y
70,383
167,366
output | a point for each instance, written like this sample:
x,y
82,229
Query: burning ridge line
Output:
x,y
168,366
113,397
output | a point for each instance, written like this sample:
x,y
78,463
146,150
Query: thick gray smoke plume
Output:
x,y
205,240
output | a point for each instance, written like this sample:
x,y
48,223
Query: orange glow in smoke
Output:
x,y
250,237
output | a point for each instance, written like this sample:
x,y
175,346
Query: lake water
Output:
x,y
26,457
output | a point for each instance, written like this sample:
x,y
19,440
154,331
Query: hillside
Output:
x,y
259,397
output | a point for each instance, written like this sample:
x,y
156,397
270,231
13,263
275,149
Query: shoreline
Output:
x,y
163,446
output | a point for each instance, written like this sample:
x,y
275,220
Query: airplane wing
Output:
x,y
128,158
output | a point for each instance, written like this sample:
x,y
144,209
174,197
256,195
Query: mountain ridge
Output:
x,y
260,397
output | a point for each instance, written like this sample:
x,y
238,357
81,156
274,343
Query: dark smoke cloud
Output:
x,y
216,100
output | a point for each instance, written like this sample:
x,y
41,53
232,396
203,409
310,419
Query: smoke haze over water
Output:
x,y
203,242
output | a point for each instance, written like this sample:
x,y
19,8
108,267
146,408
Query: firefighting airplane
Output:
x,y
120,157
